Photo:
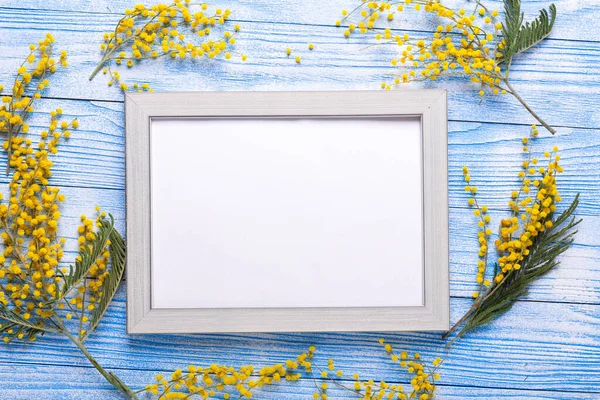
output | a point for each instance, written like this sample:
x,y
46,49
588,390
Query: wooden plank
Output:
x,y
571,14
49,382
94,155
494,154
554,79
577,280
538,346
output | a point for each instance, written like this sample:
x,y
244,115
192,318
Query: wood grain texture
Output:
x,y
572,14
547,347
577,281
541,346
51,385
553,78
94,157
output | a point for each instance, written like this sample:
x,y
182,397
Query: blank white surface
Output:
x,y
286,213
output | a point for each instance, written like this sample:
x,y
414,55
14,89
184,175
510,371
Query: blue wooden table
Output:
x,y
546,347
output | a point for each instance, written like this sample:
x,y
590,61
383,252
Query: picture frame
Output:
x,y
142,110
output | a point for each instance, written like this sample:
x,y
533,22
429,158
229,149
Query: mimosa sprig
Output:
x,y
530,240
38,294
228,382
31,76
149,33
475,44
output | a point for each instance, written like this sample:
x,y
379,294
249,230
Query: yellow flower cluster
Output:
x,y
29,273
37,295
532,207
422,383
164,30
531,212
226,381
465,42
29,266
31,76
483,234
31,281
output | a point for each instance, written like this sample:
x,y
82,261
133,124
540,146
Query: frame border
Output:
x,y
430,105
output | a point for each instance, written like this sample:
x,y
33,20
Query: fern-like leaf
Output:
x,y
112,281
88,256
542,259
513,20
535,31
521,37
14,320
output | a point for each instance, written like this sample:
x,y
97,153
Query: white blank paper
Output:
x,y
286,213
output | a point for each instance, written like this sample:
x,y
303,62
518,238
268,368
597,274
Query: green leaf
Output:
x,y
15,320
88,256
521,37
513,20
112,281
535,31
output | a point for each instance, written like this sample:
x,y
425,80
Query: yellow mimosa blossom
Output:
x,y
179,30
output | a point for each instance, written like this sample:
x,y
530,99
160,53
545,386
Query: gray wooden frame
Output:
x,y
429,105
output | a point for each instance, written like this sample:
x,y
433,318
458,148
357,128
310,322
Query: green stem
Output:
x,y
109,376
473,308
540,120
476,305
108,54
104,60
98,68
